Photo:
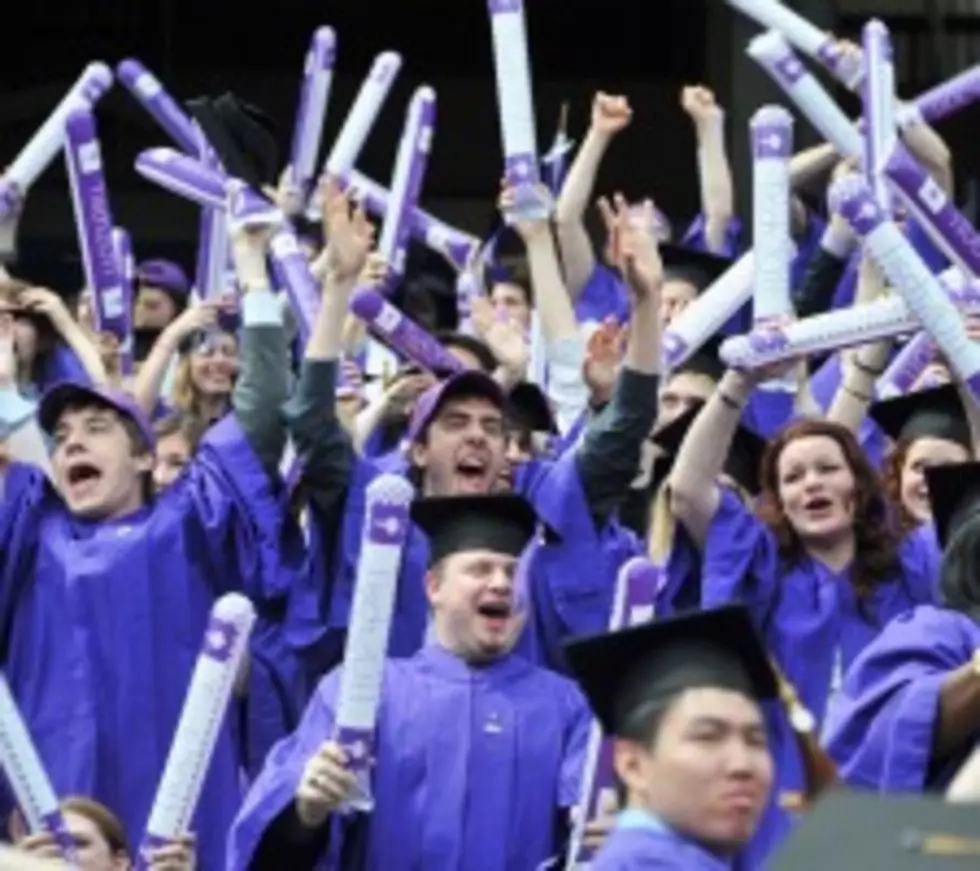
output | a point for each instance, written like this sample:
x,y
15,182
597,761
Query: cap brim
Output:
x,y
603,663
866,830
59,397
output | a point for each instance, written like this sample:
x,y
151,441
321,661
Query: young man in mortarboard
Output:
x,y
458,447
681,699
478,753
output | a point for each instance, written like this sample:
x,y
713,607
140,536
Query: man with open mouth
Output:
x,y
478,752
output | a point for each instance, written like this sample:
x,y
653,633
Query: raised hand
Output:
x,y
325,785
610,113
350,235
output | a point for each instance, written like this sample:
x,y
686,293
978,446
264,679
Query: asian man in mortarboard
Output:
x,y
927,428
682,700
910,704
458,447
478,752
106,589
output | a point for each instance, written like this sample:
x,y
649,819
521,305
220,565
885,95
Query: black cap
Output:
x,y
866,831
954,494
242,135
935,413
624,671
528,409
705,361
688,264
503,523
744,458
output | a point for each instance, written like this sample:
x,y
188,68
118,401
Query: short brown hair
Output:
x,y
102,818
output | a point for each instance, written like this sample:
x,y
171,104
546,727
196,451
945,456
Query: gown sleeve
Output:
x,y
260,828
23,495
880,733
739,561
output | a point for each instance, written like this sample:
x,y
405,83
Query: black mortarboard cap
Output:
x,y
954,494
867,831
501,523
744,458
688,264
528,408
937,413
705,361
623,672
242,135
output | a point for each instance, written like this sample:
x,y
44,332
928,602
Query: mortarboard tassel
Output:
x,y
821,773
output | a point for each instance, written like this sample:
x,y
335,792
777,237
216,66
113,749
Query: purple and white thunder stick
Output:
x,y
878,98
774,54
224,648
26,775
934,210
843,328
436,234
362,115
184,176
907,367
385,529
516,108
153,97
708,312
771,130
93,221
401,333
122,245
44,145
945,99
638,584
467,288
803,34
904,270
292,272
406,182
313,97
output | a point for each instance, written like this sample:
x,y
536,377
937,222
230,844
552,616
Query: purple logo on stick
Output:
x,y
388,523
219,640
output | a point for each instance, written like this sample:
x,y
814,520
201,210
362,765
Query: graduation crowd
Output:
x,y
762,583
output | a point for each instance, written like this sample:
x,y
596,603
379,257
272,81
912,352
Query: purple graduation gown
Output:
x,y
880,733
475,768
805,611
641,843
102,624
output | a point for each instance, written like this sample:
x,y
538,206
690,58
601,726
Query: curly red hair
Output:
x,y
876,538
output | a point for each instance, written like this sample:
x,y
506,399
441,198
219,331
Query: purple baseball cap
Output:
x,y
166,275
473,382
61,395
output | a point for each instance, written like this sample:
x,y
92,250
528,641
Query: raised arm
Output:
x,y
322,444
714,171
609,456
864,365
153,372
46,302
610,115
263,379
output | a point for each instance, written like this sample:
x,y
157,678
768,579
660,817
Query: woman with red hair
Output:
x,y
821,561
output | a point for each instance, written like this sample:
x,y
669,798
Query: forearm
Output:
x,y
959,712
85,351
933,153
576,191
643,344
368,420
577,256
550,297
824,271
326,340
702,455
810,163
715,176
856,393
262,385
149,381
609,456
